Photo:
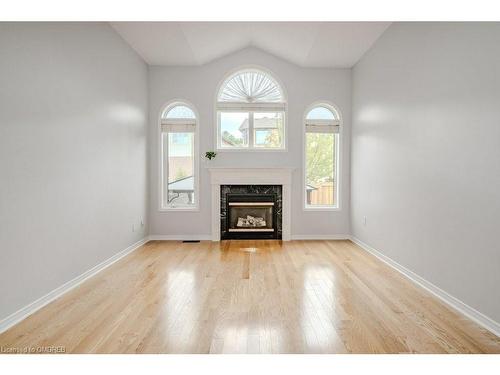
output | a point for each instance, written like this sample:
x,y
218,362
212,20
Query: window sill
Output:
x,y
320,209
251,150
179,209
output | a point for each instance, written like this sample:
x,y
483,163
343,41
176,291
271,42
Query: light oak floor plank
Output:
x,y
250,297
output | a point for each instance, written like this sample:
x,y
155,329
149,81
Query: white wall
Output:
x,y
198,85
426,155
73,114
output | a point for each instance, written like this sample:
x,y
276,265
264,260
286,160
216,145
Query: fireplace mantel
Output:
x,y
250,176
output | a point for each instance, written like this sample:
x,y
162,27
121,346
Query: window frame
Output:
x,y
251,109
338,159
162,150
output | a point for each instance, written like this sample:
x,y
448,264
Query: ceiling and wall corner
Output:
x,y
306,44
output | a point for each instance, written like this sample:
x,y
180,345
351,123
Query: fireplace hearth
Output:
x,y
251,211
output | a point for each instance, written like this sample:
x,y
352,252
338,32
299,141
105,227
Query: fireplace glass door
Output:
x,y
251,217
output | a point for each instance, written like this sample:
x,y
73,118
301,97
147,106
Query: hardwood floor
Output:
x,y
250,297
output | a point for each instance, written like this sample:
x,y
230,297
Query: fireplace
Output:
x,y
251,211
225,180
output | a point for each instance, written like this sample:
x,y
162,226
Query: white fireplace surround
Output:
x,y
251,176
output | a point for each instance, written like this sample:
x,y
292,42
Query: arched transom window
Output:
x,y
321,146
179,157
250,112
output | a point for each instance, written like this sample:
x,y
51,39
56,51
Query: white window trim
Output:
x,y
338,156
255,107
196,156
251,108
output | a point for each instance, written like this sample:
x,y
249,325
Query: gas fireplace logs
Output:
x,y
251,222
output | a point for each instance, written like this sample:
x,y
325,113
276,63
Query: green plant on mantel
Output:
x,y
210,155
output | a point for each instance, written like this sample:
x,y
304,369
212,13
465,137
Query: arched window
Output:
x,y
321,159
250,112
179,150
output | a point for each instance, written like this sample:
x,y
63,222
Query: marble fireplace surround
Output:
x,y
251,176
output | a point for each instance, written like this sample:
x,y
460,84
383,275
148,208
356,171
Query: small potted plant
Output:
x,y
210,155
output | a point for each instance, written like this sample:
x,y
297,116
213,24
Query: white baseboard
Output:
x,y
453,302
58,292
321,237
208,237
180,237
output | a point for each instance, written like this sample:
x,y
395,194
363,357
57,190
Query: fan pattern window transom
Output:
x,y
250,112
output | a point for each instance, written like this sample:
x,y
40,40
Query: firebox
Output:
x,y
250,212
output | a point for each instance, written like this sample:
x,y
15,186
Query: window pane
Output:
x,y
320,113
180,169
180,111
234,129
268,129
320,169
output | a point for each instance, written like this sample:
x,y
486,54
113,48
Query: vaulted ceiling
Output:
x,y
308,44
